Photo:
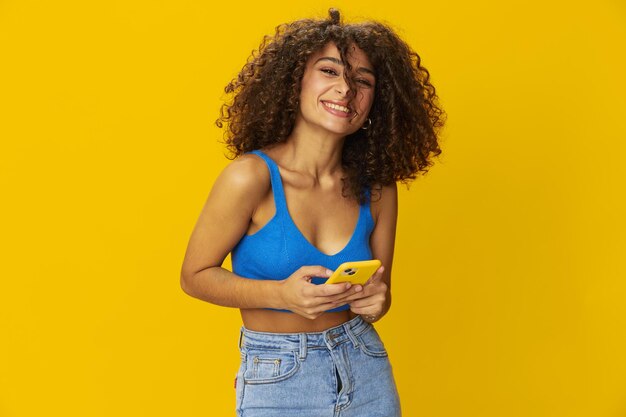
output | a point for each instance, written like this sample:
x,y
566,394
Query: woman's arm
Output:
x,y
375,299
383,237
224,219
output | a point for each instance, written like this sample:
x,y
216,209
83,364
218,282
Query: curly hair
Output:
x,y
406,117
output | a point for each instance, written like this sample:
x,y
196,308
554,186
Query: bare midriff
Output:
x,y
261,320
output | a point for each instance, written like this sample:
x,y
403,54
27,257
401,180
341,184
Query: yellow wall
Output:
x,y
509,287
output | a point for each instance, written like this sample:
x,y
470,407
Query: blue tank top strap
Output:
x,y
367,211
277,183
368,194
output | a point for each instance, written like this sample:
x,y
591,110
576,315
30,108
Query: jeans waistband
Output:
x,y
346,332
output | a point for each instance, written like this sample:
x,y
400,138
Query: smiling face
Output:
x,y
326,100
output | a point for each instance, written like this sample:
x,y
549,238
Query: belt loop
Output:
x,y
240,337
303,343
353,338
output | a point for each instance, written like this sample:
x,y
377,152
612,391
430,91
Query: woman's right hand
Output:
x,y
309,300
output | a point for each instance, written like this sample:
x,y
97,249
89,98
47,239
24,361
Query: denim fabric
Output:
x,y
341,372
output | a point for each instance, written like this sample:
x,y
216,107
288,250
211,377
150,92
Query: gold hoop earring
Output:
x,y
369,124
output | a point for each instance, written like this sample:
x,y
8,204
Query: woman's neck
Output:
x,y
312,152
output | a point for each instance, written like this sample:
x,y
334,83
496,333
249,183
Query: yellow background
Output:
x,y
509,278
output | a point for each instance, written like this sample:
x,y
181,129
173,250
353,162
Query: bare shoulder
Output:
x,y
247,175
245,171
385,200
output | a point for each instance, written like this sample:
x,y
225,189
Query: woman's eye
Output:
x,y
364,82
329,71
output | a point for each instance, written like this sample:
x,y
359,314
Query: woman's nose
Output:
x,y
343,87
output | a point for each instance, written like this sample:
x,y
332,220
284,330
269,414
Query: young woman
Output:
x,y
325,118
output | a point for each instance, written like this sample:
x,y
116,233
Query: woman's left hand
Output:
x,y
370,302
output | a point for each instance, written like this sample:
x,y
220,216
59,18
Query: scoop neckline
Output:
x,y
293,223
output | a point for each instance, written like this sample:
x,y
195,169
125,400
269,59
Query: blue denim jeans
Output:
x,y
341,372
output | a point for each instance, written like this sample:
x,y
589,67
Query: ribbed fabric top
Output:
x,y
278,249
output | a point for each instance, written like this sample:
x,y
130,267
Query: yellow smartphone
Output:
x,y
357,272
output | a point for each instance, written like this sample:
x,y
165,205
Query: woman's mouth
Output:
x,y
337,109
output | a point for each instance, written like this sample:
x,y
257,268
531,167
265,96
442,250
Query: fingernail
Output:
x,y
329,272
348,285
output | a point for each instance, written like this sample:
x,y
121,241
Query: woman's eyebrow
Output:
x,y
340,62
331,59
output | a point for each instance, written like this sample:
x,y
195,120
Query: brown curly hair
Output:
x,y
406,117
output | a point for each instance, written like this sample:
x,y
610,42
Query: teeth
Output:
x,y
337,107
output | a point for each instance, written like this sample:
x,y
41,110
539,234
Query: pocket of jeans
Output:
x,y
371,344
266,367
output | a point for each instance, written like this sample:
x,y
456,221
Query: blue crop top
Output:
x,y
278,249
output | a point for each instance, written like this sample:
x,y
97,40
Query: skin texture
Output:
x,y
310,164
